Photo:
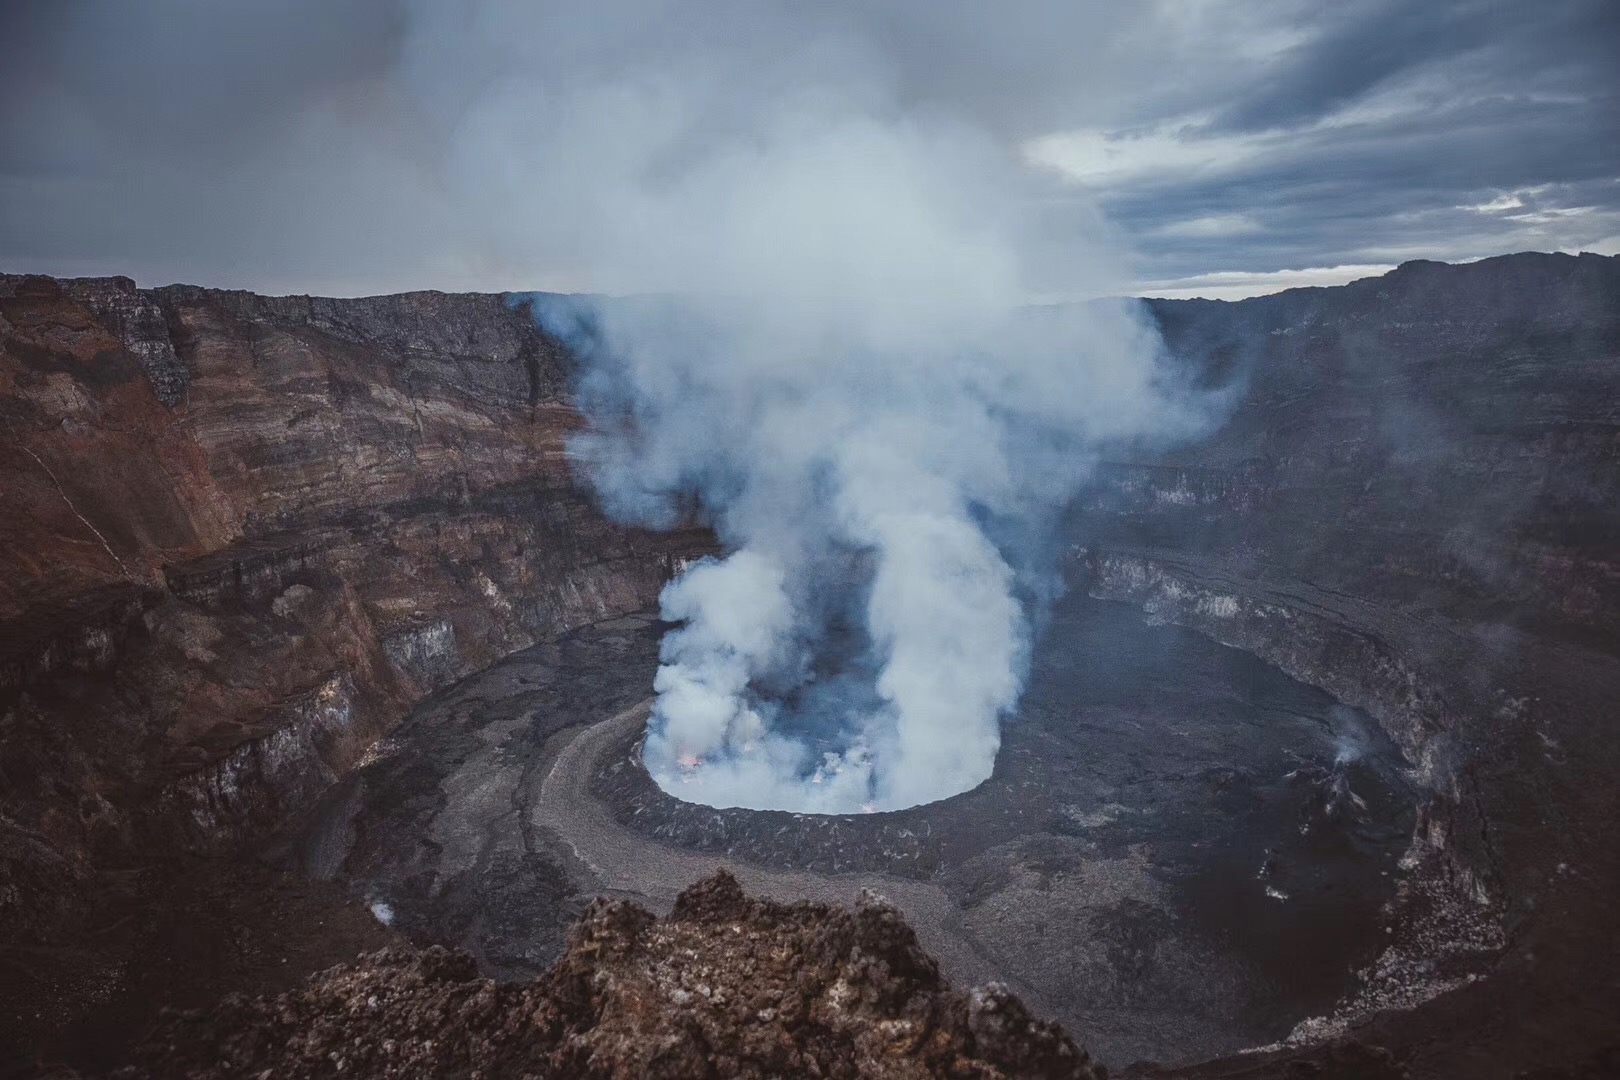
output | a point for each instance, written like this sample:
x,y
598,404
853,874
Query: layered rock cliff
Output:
x,y
1439,438
240,536
1415,504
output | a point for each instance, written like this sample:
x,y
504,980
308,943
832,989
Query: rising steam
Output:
x,y
833,363
886,494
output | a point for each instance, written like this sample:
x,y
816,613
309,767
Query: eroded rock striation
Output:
x,y
1415,504
239,537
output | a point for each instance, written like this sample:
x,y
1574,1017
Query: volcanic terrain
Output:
x,y
312,645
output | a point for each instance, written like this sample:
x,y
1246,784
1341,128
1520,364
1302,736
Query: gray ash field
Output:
x,y
1182,851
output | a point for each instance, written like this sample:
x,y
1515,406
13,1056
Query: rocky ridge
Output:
x,y
725,986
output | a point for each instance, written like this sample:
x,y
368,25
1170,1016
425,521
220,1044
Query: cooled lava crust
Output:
x,y
914,842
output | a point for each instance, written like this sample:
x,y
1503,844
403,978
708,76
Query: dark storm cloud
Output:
x,y
1358,50
1405,130
183,77
359,145
1401,188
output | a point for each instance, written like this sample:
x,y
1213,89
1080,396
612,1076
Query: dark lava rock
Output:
x,y
1349,1060
726,986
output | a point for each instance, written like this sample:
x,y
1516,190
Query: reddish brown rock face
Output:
x,y
240,535
105,485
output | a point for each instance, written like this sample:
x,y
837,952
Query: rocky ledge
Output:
x,y
723,986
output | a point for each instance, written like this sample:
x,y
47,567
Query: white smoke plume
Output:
x,y
883,455
831,359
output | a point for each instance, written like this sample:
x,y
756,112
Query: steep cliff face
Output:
x,y
1415,504
1440,438
240,535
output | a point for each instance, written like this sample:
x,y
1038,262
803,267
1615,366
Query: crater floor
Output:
x,y
1182,851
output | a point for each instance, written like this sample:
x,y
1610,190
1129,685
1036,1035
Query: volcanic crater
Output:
x,y
304,615
1181,848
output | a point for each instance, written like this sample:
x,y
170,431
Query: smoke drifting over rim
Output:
x,y
840,372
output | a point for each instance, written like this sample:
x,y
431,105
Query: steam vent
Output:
x,y
319,651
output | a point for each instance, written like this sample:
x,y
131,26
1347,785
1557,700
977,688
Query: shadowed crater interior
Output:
x,y
1182,851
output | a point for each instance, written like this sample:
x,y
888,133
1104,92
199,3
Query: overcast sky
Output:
x,y
1223,147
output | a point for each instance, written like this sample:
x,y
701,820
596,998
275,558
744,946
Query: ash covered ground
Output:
x,y
1182,851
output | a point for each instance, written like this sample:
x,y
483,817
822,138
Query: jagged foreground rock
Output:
x,y
725,986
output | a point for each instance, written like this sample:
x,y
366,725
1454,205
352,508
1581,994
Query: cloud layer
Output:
x,y
366,145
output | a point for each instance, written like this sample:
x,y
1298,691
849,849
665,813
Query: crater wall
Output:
x,y
241,535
